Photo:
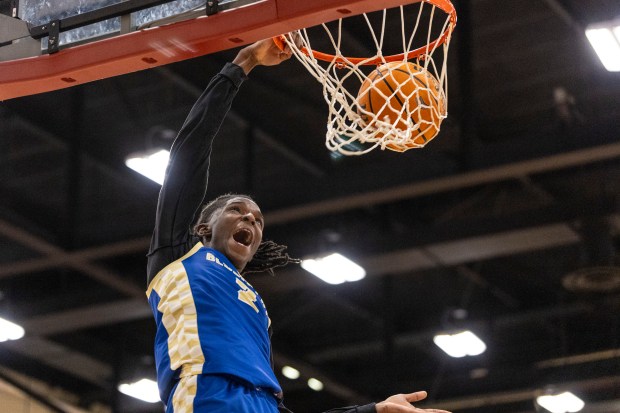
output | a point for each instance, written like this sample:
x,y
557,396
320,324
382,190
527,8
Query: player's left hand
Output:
x,y
401,403
262,53
267,53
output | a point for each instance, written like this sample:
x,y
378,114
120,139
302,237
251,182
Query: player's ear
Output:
x,y
203,230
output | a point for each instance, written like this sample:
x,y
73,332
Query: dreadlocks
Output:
x,y
269,254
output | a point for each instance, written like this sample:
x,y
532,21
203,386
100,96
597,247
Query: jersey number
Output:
x,y
246,295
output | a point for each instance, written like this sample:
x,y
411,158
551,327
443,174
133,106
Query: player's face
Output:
x,y
237,230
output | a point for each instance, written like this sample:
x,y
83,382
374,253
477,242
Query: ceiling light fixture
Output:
x,y
315,384
565,402
151,164
334,269
605,39
10,330
144,389
464,343
290,372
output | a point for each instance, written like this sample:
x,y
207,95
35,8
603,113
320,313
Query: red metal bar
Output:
x,y
175,42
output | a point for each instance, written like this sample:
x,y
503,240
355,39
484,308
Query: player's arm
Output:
x,y
185,184
398,403
186,176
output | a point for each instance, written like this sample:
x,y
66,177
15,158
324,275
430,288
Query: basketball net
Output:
x,y
353,129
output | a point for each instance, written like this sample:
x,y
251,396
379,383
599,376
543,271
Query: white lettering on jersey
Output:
x,y
213,258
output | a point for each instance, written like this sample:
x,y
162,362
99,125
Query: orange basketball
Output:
x,y
398,91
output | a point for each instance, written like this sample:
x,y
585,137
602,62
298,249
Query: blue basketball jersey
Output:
x,y
210,320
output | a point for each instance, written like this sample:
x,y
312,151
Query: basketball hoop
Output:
x,y
371,104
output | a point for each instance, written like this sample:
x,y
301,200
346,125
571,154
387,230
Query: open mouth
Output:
x,y
243,236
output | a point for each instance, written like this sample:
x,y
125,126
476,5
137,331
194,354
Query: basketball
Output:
x,y
405,95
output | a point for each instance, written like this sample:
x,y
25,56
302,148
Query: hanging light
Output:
x,y
151,164
315,384
290,372
605,39
461,344
334,269
144,389
10,330
565,402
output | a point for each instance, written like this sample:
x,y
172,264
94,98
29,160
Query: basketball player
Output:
x,y
212,345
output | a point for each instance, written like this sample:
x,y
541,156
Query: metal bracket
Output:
x,y
54,36
212,7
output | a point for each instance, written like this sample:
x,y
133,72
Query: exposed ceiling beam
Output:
x,y
449,183
408,260
260,134
27,393
579,359
92,270
88,317
56,142
562,12
62,359
444,254
416,338
25,387
517,170
485,400
60,258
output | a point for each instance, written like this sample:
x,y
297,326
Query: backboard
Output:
x,y
51,45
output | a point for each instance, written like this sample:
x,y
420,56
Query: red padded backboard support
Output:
x,y
171,43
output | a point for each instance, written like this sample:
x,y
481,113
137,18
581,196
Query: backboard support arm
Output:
x,y
237,23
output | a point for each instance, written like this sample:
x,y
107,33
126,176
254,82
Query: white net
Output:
x,y
397,97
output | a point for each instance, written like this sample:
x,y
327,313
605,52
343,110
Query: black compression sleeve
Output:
x,y
367,408
186,177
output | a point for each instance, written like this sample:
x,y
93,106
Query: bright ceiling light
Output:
x,y
10,331
290,372
565,402
315,384
144,389
460,344
334,269
605,39
150,164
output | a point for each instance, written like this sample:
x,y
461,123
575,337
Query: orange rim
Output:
x,y
444,5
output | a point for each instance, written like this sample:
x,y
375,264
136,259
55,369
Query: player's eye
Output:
x,y
235,208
